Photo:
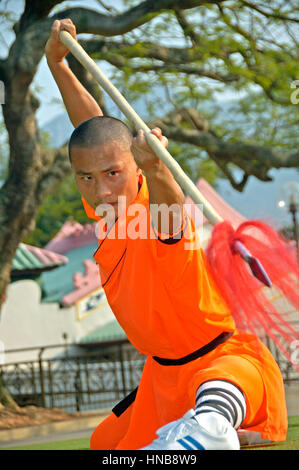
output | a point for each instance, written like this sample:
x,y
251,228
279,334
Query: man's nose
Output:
x,y
102,192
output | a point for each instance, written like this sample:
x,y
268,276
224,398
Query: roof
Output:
x,y
217,202
84,283
110,331
30,259
73,235
59,283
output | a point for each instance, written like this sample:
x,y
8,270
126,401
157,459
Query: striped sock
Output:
x,y
224,398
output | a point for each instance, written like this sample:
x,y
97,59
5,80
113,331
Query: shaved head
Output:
x,y
103,163
98,131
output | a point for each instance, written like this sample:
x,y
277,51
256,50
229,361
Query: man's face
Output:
x,y
104,172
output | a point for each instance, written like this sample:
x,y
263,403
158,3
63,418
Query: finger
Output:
x,y
55,30
140,138
164,141
68,25
157,132
66,21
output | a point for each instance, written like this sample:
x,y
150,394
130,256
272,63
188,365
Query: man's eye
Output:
x,y
85,178
113,173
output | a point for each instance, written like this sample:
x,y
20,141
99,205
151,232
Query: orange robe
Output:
x,y
164,297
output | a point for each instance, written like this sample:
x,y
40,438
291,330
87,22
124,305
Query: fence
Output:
x,y
97,378
75,382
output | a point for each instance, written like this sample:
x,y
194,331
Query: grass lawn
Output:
x,y
292,442
74,444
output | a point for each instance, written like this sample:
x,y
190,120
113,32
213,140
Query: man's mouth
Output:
x,y
106,204
119,204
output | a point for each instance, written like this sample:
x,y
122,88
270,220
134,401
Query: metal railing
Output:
x,y
84,379
75,381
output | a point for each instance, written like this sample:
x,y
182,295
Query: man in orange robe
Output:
x,y
203,379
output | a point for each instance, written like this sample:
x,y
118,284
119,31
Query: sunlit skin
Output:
x,y
102,173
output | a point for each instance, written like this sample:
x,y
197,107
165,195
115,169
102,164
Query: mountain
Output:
x,y
259,200
59,130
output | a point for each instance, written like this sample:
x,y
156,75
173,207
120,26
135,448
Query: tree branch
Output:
x,y
56,170
186,69
28,48
89,21
239,186
145,49
254,61
188,30
254,160
35,10
276,16
174,59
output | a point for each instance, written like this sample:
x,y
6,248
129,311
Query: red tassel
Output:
x,y
244,294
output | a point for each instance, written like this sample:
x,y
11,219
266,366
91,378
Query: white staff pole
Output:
x,y
182,179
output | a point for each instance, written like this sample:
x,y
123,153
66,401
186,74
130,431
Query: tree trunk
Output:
x,y
6,399
17,196
33,173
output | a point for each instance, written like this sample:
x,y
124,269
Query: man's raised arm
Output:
x,y
79,104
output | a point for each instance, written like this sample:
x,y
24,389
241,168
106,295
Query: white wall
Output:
x,y
26,322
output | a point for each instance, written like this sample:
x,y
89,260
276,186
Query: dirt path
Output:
x,y
32,415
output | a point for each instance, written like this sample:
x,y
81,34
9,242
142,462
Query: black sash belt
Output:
x,y
124,404
196,354
121,407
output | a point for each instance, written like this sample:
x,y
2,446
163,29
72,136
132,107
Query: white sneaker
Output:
x,y
205,431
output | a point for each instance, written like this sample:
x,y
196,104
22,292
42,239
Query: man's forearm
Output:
x,y
79,104
165,192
